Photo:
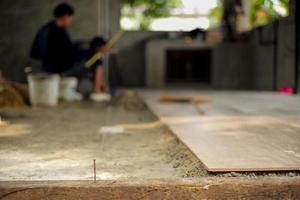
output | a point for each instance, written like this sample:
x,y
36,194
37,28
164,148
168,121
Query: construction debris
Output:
x,y
111,130
194,100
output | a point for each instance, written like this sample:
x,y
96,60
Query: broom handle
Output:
x,y
109,45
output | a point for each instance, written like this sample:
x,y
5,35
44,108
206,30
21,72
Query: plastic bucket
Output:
x,y
68,86
44,89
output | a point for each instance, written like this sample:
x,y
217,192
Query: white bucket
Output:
x,y
67,89
44,89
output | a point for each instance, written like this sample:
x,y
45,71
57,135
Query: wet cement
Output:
x,y
61,143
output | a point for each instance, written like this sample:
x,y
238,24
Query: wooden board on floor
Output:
x,y
240,132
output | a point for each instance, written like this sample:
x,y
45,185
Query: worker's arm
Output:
x,y
99,82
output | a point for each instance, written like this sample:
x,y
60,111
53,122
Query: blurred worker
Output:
x,y
52,44
94,71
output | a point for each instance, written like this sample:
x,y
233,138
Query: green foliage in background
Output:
x,y
215,15
144,11
268,7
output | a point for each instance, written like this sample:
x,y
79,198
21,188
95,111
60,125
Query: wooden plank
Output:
x,y
239,132
207,188
183,99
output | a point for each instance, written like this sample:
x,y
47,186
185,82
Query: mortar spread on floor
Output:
x,y
61,143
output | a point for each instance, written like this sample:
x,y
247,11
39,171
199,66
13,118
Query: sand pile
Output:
x,y
129,100
12,95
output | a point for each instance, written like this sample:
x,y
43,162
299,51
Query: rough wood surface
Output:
x,y
213,189
240,131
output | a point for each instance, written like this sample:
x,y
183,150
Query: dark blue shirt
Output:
x,y
53,46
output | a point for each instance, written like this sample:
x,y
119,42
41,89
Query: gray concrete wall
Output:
x,y
231,66
130,60
114,15
286,54
244,65
249,64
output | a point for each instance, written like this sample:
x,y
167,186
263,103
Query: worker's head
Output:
x,y
63,14
98,44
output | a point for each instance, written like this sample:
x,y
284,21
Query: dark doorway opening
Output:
x,y
188,66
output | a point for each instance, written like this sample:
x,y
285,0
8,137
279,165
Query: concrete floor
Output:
x,y
61,143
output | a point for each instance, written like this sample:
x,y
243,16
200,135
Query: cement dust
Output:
x,y
129,100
